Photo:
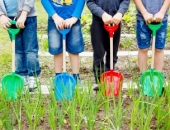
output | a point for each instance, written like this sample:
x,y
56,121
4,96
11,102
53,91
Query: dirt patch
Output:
x,y
101,117
127,65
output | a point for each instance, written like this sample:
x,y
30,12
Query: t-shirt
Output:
x,y
63,2
152,6
98,7
64,8
11,7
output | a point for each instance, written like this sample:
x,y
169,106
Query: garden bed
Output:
x,y
127,65
131,110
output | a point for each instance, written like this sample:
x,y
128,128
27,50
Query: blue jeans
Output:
x,y
144,35
26,49
74,39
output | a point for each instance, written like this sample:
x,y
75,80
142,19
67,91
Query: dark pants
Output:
x,y
101,45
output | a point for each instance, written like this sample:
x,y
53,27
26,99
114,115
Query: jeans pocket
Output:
x,y
31,23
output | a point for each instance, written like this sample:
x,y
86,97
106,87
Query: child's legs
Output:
x,y
160,44
55,44
30,43
58,63
100,41
74,46
142,59
75,63
159,59
143,35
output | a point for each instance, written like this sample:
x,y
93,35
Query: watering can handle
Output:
x,y
64,32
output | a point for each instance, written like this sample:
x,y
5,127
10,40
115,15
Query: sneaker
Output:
x,y
77,79
26,82
163,89
32,83
95,87
79,83
140,81
165,77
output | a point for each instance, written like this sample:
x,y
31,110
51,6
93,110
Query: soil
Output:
x,y
100,117
127,65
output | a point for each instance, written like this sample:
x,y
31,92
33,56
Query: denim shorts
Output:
x,y
144,35
74,39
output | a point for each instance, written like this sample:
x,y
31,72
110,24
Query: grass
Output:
x,y
86,111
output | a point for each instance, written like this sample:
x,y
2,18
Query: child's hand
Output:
x,y
59,21
68,23
158,17
117,18
5,21
148,17
107,19
21,20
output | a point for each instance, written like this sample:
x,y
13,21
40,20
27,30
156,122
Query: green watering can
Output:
x,y
12,84
152,80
